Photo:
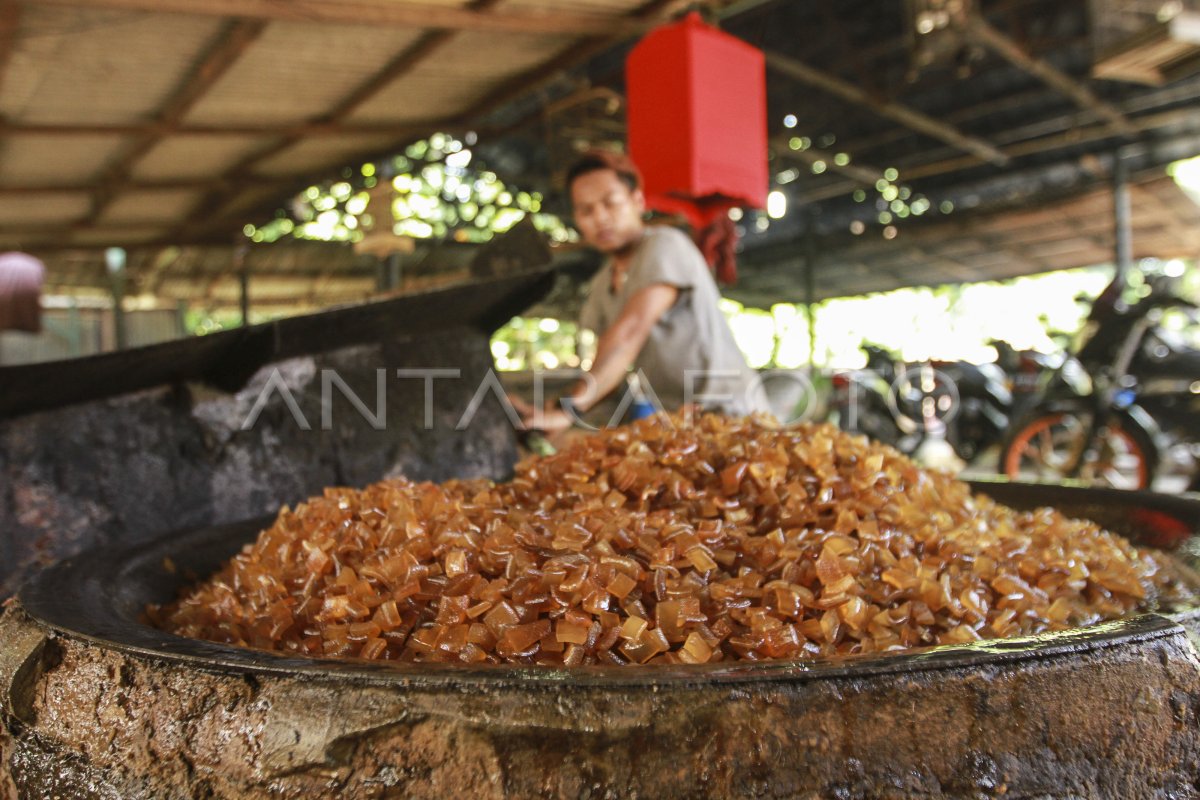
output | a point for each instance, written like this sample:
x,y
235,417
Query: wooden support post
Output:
x,y
114,260
1122,216
810,290
242,266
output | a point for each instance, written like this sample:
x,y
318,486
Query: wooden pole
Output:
x,y
114,260
1122,216
242,265
810,289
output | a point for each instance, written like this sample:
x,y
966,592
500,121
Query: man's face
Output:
x,y
607,212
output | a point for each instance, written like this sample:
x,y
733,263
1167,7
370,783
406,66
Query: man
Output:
x,y
653,306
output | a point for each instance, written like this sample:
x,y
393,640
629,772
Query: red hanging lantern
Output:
x,y
697,115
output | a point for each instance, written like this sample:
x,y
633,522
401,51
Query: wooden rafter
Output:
x,y
57,230
908,171
1010,51
952,266
239,130
404,62
826,192
832,22
425,46
574,54
226,182
390,13
164,260
1176,223
164,185
1139,110
861,174
229,44
10,17
1067,138
911,118
1070,138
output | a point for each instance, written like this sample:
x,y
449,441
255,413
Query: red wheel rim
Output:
x,y
1012,458
1043,426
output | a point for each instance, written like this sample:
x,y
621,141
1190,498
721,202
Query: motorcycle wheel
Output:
x,y
1046,445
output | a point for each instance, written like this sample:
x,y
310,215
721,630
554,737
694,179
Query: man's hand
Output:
x,y
552,421
519,405
549,420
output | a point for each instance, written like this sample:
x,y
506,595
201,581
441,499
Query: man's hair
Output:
x,y
596,160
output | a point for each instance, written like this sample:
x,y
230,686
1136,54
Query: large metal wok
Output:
x,y
98,705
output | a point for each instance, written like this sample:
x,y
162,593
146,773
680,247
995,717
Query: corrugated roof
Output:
x,y
156,123
296,71
132,121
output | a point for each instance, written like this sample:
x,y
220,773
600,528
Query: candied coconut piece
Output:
x,y
671,540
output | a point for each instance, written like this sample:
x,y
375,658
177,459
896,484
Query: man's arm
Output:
x,y
619,346
615,352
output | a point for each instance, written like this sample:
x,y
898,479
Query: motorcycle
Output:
x,y
860,398
1124,392
1024,371
983,408
908,405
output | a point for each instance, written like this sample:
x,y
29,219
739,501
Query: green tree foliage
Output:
x,y
433,190
950,322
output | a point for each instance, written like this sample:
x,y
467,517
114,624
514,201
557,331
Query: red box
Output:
x,y
697,115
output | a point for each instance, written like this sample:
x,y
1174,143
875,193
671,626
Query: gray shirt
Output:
x,y
691,342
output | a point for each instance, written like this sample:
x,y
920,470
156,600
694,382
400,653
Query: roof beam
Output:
x,y
838,188
1068,138
906,116
573,55
404,61
306,130
987,36
860,173
166,185
230,43
424,47
1042,129
915,171
1175,222
832,22
376,13
827,192
528,81
152,279
297,302
10,17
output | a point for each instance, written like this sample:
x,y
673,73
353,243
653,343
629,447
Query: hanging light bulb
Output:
x,y
776,204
